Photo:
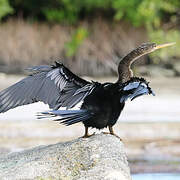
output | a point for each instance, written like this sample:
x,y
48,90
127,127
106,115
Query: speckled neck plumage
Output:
x,y
124,68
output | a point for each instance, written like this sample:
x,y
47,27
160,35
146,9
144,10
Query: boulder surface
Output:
x,y
98,157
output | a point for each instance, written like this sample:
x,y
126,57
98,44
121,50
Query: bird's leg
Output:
x,y
86,134
111,131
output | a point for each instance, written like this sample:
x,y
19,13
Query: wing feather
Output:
x,y
67,117
54,85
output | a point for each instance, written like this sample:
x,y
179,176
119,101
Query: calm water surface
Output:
x,y
156,176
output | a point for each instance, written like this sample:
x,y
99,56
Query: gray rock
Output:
x,y
98,157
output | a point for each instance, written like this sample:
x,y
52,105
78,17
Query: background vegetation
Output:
x,y
138,12
160,18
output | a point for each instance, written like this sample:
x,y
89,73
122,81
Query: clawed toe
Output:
x,y
117,136
113,135
87,135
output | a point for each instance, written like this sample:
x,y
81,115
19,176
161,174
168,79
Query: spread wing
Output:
x,y
54,85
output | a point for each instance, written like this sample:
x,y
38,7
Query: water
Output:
x,y
156,176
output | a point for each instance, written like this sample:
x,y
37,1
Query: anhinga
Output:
x,y
58,87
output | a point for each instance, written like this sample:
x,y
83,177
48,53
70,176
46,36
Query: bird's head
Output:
x,y
134,88
124,69
147,48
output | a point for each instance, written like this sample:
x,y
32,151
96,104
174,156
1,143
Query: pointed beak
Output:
x,y
164,45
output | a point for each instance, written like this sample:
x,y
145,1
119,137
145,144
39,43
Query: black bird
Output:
x,y
58,87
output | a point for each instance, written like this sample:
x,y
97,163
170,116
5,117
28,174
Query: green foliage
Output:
x,y
160,37
70,11
144,12
31,9
5,8
138,12
76,40
126,10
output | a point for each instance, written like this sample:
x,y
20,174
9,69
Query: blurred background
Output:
x,y
90,37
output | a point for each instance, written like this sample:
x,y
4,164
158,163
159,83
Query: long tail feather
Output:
x,y
68,117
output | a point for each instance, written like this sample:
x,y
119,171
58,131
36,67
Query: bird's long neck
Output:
x,y
124,70
125,73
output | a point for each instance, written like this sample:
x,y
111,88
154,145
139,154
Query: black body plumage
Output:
x,y
104,102
57,86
